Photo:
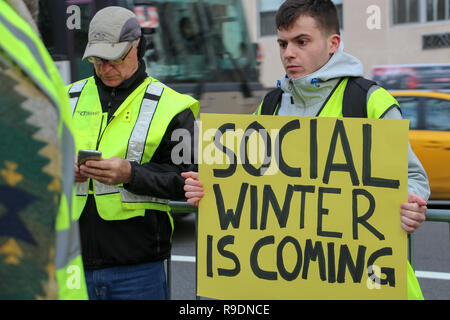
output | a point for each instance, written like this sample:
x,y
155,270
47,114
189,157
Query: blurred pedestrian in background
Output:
x,y
39,240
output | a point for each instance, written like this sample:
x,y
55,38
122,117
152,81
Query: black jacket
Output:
x,y
140,239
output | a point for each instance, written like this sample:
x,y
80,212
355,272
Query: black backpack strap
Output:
x,y
271,101
354,103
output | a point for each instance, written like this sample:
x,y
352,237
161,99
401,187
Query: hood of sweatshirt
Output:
x,y
305,96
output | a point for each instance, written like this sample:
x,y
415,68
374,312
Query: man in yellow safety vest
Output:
x,y
123,196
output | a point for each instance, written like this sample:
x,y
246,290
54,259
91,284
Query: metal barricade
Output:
x,y
434,215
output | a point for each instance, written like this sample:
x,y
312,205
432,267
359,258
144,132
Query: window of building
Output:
x,y
340,10
436,41
268,10
438,10
405,11
419,11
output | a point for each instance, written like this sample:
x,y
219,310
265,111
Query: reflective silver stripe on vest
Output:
x,y
130,197
82,188
76,88
19,34
34,51
102,189
136,144
127,196
67,148
67,245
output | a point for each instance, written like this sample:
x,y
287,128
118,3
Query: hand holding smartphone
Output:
x,y
85,155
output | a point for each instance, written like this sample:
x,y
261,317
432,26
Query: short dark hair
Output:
x,y
323,11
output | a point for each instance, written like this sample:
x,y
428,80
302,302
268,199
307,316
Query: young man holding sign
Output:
x,y
318,77
312,54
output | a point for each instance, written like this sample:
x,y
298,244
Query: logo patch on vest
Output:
x,y
88,113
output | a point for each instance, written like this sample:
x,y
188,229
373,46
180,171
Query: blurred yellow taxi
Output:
x,y
429,115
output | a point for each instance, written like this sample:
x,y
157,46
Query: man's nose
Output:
x,y
288,52
105,66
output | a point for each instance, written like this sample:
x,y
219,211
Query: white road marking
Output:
x,y
433,275
419,274
183,258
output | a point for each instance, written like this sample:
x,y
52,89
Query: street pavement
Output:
x,y
431,259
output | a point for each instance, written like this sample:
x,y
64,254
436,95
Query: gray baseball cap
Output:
x,y
110,32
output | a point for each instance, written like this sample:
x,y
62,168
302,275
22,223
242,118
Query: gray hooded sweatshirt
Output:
x,y
306,95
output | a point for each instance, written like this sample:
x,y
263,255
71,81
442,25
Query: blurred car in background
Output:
x,y
429,115
413,76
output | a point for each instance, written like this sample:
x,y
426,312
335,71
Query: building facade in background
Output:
x,y
378,32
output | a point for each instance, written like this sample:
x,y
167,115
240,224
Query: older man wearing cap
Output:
x,y
122,199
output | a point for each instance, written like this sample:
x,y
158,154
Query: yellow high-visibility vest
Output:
x,y
377,105
379,102
134,133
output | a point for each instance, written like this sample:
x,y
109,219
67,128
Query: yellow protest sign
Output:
x,y
302,208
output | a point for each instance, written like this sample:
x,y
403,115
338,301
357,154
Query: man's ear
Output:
x,y
333,43
141,47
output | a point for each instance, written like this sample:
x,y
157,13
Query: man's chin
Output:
x,y
295,75
111,82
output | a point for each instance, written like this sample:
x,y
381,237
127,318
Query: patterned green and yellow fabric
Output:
x,y
30,184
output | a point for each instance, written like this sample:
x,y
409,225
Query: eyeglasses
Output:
x,y
116,62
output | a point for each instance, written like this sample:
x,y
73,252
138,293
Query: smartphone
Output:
x,y
85,155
